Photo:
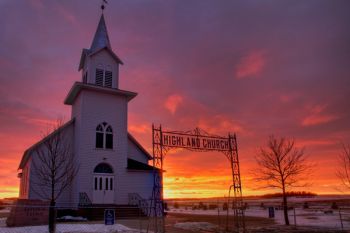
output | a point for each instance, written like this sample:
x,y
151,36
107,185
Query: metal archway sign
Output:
x,y
200,141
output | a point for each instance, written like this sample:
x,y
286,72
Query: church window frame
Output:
x,y
104,136
104,76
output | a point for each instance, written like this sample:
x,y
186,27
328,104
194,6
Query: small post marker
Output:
x,y
271,212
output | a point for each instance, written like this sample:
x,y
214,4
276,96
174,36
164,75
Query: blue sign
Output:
x,y
271,212
109,216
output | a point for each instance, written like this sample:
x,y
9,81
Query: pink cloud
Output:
x,y
67,15
287,98
251,65
220,124
172,103
37,4
317,116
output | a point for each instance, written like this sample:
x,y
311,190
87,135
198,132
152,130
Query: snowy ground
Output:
x,y
307,217
314,219
196,226
71,228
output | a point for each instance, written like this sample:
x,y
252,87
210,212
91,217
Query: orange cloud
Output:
x,y
172,103
319,142
141,129
220,124
318,116
251,65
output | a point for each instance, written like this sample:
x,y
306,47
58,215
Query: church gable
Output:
x,y
68,126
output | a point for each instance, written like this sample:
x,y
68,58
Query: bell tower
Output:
x,y
99,65
99,111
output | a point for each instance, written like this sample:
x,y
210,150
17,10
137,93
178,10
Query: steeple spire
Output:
x,y
101,39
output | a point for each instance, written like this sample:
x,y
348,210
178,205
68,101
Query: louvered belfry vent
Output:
x,y
108,79
99,77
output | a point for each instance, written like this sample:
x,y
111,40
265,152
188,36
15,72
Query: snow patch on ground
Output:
x,y
71,218
303,217
71,228
195,226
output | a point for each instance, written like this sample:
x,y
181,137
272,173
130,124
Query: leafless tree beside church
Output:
x,y
343,171
281,165
53,167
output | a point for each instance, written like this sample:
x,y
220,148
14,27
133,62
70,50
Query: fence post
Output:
x,y
341,220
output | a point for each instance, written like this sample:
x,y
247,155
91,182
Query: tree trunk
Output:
x,y
52,217
285,207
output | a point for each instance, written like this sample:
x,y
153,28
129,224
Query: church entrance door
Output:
x,y
103,184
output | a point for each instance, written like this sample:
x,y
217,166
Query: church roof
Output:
x,y
100,42
136,165
78,86
138,145
27,153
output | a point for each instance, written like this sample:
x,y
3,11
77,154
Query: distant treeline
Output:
x,y
291,194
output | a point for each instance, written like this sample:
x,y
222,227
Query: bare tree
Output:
x,y
282,166
343,172
53,167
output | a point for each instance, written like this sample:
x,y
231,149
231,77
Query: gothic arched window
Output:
x,y
103,168
104,136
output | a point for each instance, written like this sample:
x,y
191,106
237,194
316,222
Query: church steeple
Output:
x,y
101,39
99,64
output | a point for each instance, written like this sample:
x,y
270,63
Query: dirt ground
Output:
x,y
253,225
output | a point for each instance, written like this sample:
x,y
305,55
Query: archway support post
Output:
x,y
196,140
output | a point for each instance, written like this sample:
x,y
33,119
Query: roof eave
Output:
x,y
78,86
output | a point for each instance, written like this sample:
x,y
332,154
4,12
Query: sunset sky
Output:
x,y
254,68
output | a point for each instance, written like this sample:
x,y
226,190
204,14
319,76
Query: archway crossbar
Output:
x,y
200,141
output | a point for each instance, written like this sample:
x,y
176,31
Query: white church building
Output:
x,y
112,164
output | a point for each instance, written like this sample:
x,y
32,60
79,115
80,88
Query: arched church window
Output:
x,y
109,137
103,168
104,136
99,136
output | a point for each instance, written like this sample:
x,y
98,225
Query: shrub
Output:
x,y
262,205
225,206
334,206
2,205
